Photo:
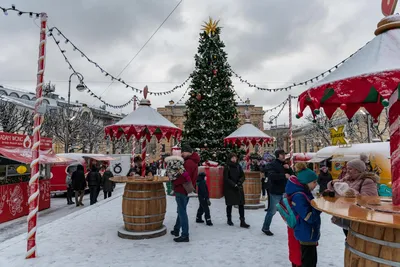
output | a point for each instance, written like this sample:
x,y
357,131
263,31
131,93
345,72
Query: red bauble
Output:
x,y
215,72
198,97
343,106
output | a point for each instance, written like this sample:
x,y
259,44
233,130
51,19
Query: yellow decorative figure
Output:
x,y
21,169
210,26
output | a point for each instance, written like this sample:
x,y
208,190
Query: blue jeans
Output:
x,y
274,199
182,219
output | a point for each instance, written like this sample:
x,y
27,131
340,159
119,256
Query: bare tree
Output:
x,y
92,133
56,126
15,119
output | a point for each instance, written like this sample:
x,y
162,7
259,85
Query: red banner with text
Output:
x,y
23,141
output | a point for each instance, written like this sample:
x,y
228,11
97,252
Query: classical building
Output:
x,y
52,101
175,113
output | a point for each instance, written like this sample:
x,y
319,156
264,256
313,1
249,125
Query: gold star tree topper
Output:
x,y
210,26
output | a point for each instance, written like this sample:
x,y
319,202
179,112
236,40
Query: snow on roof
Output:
x,y
379,55
248,130
356,149
146,115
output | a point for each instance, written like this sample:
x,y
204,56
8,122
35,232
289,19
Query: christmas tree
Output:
x,y
211,114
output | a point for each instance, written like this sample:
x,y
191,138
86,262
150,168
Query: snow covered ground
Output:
x,y
88,237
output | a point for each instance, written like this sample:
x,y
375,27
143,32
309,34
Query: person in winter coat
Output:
x,y
324,178
179,176
360,182
79,184
307,229
204,200
94,180
192,160
233,189
107,184
277,178
136,169
70,189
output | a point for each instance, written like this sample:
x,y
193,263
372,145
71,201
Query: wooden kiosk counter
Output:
x,y
374,233
143,207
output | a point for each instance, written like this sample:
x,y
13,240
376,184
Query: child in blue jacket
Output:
x,y
204,200
307,229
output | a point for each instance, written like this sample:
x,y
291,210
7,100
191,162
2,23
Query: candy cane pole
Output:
x,y
394,124
290,130
33,199
144,151
248,156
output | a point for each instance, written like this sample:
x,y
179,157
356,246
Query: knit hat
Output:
x,y
186,148
279,152
174,167
357,164
306,176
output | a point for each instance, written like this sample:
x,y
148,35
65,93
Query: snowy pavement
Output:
x,y
58,209
88,237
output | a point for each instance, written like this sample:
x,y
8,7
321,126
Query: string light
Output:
x,y
282,105
106,73
90,92
19,12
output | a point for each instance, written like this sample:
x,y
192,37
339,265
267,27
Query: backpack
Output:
x,y
285,209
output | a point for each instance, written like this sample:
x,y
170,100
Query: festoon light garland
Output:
x,y
106,73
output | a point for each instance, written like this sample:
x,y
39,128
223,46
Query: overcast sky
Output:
x,y
271,43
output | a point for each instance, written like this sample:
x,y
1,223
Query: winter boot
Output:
x,y
209,222
175,233
181,239
268,232
229,222
243,223
199,220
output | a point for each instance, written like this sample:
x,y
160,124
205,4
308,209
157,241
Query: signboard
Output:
x,y
23,141
338,136
388,7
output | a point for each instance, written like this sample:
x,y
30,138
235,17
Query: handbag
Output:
x,y
189,188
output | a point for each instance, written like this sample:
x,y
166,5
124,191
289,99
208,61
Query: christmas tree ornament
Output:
x,y
215,72
198,97
210,26
343,106
385,102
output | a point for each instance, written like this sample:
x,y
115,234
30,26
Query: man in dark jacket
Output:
x,y
204,200
94,180
192,160
136,169
79,184
277,178
108,185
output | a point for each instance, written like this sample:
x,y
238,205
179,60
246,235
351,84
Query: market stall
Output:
x,y
15,157
369,79
144,199
245,135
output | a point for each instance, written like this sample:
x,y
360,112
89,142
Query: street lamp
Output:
x,y
80,87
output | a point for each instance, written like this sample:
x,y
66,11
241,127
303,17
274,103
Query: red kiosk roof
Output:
x,y
24,155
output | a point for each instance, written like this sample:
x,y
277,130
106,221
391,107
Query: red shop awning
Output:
x,y
24,155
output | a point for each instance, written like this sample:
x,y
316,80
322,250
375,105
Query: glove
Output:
x,y
208,202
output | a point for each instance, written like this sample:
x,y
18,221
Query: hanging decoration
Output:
x,y
210,27
20,12
106,73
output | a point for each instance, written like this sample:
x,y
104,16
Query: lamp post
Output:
x,y
80,87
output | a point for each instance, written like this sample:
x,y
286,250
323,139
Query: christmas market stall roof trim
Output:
x,y
248,133
366,80
143,122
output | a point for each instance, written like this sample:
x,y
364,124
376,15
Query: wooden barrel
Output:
x,y
371,245
252,187
144,206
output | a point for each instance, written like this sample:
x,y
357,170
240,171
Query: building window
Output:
x,y
299,146
14,95
163,148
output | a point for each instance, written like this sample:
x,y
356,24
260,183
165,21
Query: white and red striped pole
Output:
x,y
290,130
248,155
33,199
133,138
144,152
394,124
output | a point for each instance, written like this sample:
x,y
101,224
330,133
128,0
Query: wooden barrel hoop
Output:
x,y
144,207
370,245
